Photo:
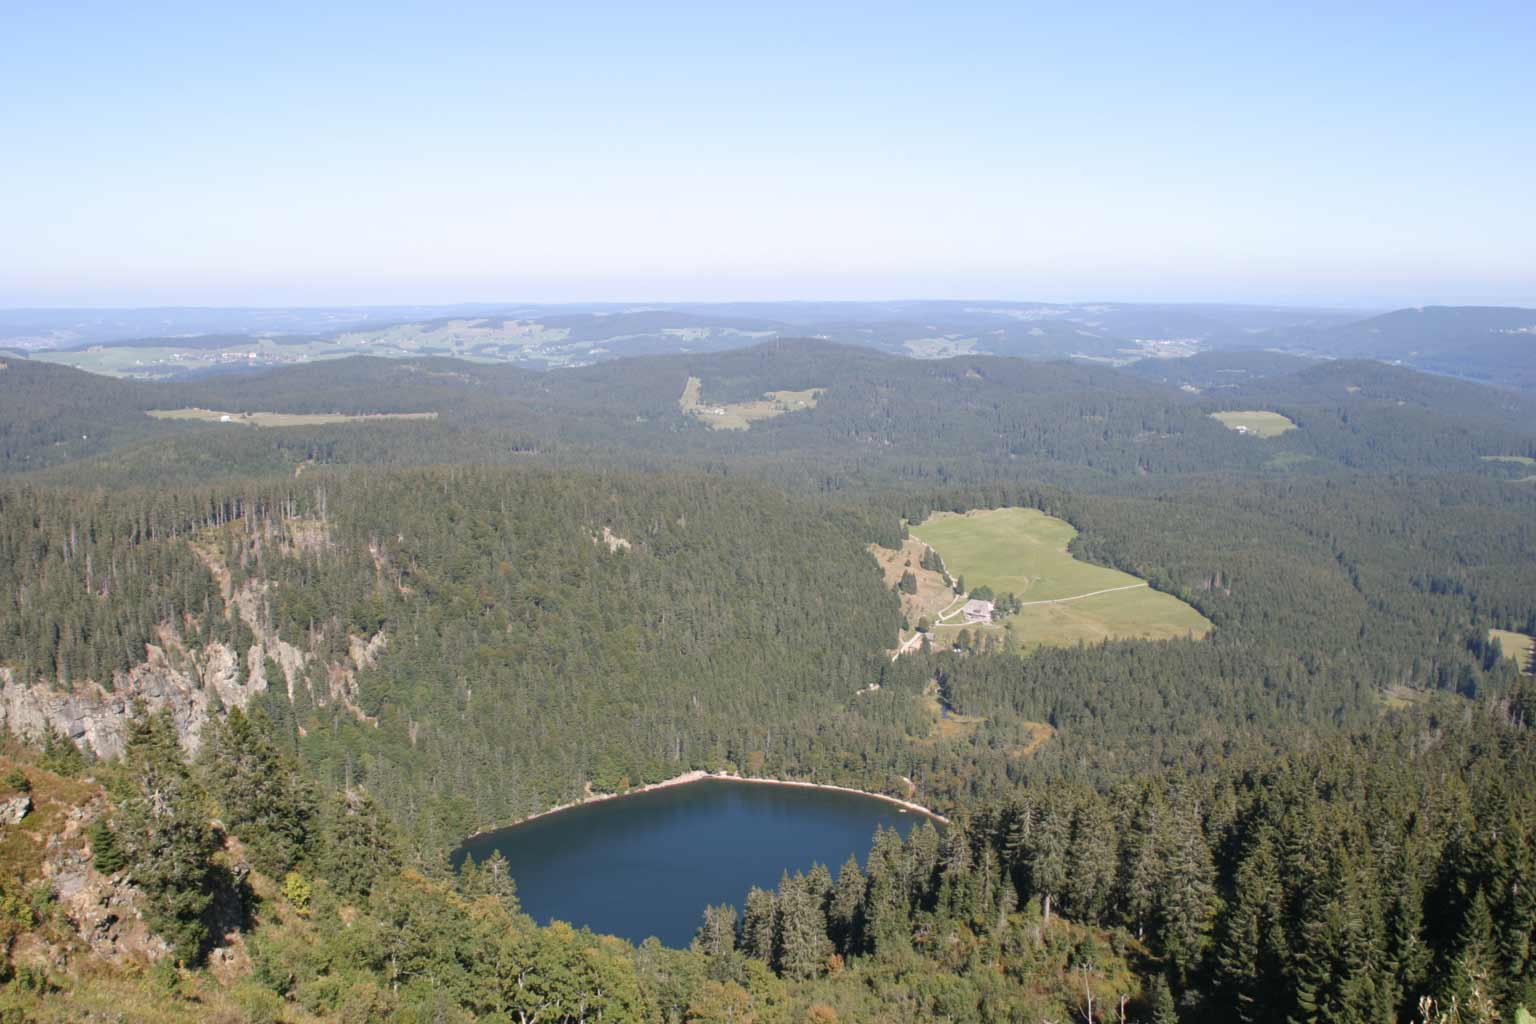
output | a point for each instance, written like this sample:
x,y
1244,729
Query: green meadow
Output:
x,y
1024,552
1516,646
283,419
1257,422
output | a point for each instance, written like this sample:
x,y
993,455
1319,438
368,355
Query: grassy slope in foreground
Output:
x,y
1256,422
1024,552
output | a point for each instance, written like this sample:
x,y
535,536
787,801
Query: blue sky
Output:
x,y
273,154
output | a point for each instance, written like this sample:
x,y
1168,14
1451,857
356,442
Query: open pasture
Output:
x,y
1516,646
1255,422
741,415
283,419
1065,601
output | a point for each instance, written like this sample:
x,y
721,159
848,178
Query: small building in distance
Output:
x,y
977,611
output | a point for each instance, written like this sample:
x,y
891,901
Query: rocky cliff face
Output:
x,y
96,717
194,685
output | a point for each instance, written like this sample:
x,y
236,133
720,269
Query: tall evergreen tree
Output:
x,y
759,925
846,910
163,832
803,943
262,798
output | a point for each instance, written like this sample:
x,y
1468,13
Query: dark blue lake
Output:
x,y
648,864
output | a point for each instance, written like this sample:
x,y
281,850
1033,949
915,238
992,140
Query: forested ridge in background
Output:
x,y
565,582
882,421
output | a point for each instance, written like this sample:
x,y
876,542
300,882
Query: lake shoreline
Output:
x,y
688,778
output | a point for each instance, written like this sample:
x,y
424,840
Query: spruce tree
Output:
x,y
1186,897
759,925
1250,951
262,799
845,913
803,943
886,905
164,835
1049,854
717,935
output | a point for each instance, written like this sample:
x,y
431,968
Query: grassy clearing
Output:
x,y
1288,460
947,725
741,415
1024,552
1255,422
1039,735
283,419
1395,698
1516,646
1523,460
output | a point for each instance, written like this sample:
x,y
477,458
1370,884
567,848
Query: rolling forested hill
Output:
x,y
880,420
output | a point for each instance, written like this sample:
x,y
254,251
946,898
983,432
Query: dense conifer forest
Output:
x,y
563,584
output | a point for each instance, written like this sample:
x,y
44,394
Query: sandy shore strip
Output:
x,y
698,776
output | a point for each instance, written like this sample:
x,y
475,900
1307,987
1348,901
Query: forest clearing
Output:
x,y
1516,646
741,415
283,419
1255,422
1063,601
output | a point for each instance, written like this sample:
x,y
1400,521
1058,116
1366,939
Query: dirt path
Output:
x,y
1079,597
911,644
908,645
950,609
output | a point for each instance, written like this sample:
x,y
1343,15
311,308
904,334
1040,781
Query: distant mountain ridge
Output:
x,y
1495,345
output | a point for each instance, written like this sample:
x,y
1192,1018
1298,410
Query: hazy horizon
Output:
x,y
281,156
646,303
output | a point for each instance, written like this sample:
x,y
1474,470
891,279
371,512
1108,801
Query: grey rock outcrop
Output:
x,y
14,808
95,717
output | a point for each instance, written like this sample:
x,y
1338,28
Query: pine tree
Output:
x,y
1091,864
1251,950
717,935
1186,897
803,943
886,906
359,847
1160,1002
1142,866
1049,854
845,913
261,797
1472,976
164,835
497,882
759,925
955,890
923,854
